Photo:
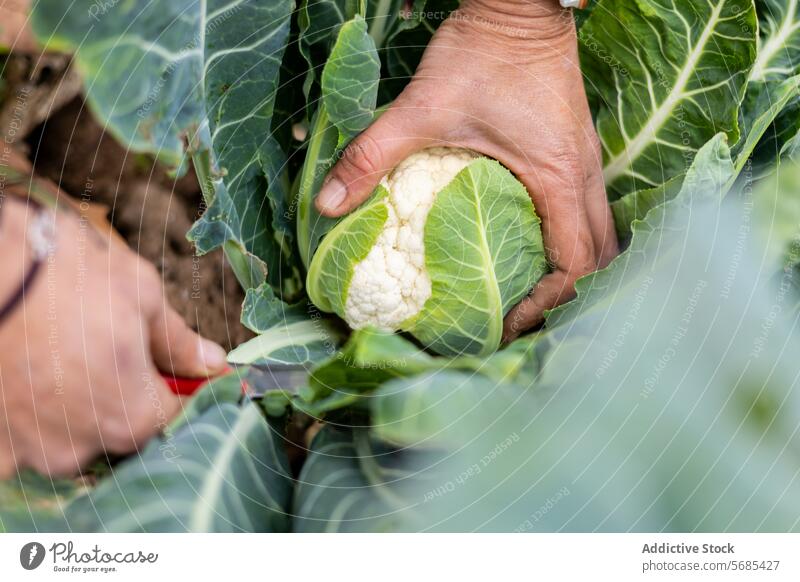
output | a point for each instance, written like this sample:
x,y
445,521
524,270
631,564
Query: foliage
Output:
x,y
663,398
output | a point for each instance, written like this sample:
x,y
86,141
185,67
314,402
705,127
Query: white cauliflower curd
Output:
x,y
391,284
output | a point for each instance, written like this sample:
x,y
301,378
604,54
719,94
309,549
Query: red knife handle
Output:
x,y
181,386
184,386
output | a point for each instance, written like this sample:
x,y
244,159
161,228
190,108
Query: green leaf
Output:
x,y
483,252
440,409
353,483
370,359
710,178
664,82
776,213
779,41
778,61
32,503
323,144
636,205
296,342
763,105
350,80
141,65
241,70
262,310
334,261
223,471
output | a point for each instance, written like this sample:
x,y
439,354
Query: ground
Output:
x,y
151,210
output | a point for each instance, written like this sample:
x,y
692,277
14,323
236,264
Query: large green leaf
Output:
x,y
710,178
248,212
223,471
142,66
758,116
440,409
30,502
672,406
483,253
370,359
295,342
367,360
350,80
350,86
352,482
779,41
664,77
778,60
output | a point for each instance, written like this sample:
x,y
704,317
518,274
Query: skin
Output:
x,y
501,77
80,357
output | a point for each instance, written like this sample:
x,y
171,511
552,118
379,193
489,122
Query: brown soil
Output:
x,y
151,210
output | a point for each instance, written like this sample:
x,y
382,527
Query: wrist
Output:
x,y
13,220
519,20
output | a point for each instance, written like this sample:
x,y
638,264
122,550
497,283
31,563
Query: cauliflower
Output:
x,y
391,284
447,244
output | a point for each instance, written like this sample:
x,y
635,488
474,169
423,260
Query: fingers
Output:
x,y
397,134
174,346
568,236
146,413
601,220
598,210
552,290
178,350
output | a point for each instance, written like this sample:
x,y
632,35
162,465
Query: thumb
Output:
x,y
393,137
180,351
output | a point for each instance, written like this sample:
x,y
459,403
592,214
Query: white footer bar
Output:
x,y
352,558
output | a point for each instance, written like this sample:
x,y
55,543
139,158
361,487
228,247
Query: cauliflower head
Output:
x,y
392,284
447,244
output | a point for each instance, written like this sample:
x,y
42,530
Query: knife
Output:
x,y
257,379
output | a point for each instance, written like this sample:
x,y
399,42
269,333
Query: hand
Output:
x,y
79,358
501,77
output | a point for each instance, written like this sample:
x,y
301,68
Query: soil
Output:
x,y
150,209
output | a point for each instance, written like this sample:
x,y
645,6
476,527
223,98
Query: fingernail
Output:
x,y
332,194
214,358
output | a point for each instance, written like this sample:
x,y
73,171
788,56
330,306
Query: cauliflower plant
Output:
x,y
447,245
391,284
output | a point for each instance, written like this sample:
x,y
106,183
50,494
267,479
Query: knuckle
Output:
x,y
149,277
593,143
363,156
116,435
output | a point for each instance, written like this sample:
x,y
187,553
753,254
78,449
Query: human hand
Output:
x,y
79,358
501,77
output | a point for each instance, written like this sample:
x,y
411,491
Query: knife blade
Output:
x,y
257,379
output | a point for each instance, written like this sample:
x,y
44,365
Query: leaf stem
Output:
x,y
377,28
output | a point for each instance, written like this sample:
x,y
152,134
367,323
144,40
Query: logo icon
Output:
x,y
31,555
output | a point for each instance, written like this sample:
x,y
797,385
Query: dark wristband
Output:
x,y
18,295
